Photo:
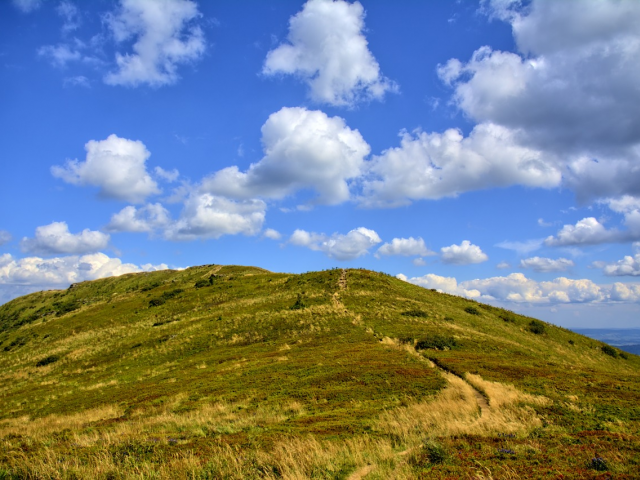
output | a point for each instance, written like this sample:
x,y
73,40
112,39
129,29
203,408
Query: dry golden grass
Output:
x,y
455,411
501,395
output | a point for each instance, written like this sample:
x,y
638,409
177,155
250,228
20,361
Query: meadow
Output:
x,y
236,372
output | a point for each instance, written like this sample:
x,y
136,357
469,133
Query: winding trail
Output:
x,y
483,405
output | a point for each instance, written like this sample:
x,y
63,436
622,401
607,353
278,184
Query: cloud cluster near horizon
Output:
x,y
518,289
30,274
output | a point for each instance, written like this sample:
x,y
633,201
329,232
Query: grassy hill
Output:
x,y
237,372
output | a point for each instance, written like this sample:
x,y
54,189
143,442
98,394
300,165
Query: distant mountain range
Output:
x,y
627,339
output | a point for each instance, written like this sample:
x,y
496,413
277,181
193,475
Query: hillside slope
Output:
x,y
237,372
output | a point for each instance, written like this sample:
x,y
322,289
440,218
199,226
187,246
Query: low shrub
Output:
x,y
151,286
609,350
202,283
599,464
156,302
472,311
47,360
439,342
435,453
299,305
415,313
537,327
66,307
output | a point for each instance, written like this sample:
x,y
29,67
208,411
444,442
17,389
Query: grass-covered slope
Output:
x,y
237,372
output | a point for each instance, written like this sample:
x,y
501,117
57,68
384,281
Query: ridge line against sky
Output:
x,y
487,149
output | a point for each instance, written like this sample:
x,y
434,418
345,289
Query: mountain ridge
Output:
x,y
216,357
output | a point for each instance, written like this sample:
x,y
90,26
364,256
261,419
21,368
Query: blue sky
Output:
x,y
487,149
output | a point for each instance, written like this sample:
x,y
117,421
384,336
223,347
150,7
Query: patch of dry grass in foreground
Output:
x,y
455,411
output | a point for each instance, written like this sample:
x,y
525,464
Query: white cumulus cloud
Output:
x,y
26,275
115,165
628,266
436,165
272,234
209,216
517,288
303,149
165,34
541,264
145,219
570,93
327,49
55,238
406,247
464,254
588,231
167,175
354,244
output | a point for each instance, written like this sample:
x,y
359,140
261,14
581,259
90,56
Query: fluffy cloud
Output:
x,y
436,165
540,264
27,6
628,266
436,282
167,175
165,35
55,238
303,150
26,275
209,216
272,234
144,219
115,165
326,48
587,231
5,237
463,254
406,247
341,247
571,93
516,288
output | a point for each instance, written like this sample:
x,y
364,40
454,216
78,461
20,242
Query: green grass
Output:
x,y
215,371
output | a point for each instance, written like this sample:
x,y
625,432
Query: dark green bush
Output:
x,y
66,307
151,286
449,319
537,327
156,302
599,464
171,293
472,310
439,342
430,452
299,305
571,342
609,350
47,360
508,318
415,313
202,283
